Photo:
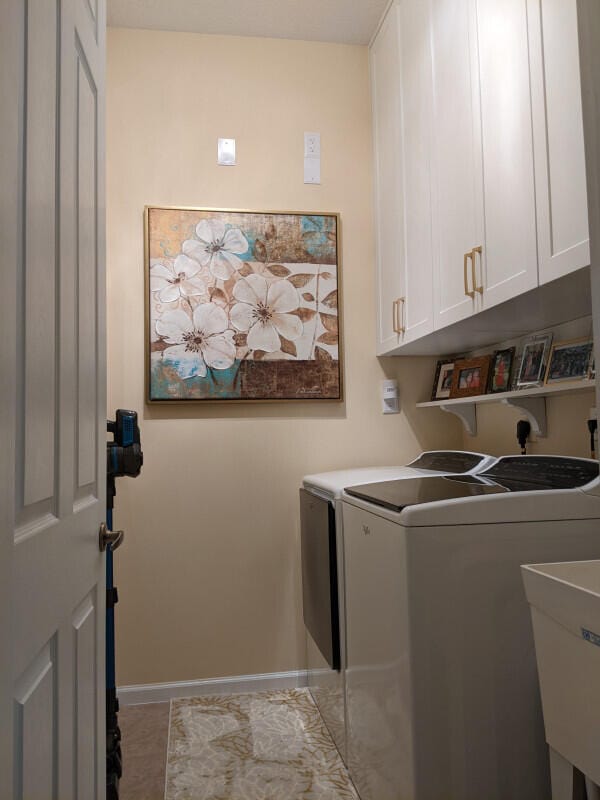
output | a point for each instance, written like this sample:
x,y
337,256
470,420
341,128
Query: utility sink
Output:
x,y
565,611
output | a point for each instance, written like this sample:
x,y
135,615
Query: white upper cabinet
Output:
x,y
416,311
486,249
562,213
507,265
479,166
389,180
457,192
402,109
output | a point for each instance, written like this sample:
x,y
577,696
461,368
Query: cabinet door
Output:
x,y
507,265
417,101
563,236
389,213
457,186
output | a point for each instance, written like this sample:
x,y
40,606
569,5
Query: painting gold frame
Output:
x,y
326,345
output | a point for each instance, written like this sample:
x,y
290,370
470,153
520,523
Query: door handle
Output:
x,y
468,292
473,260
112,538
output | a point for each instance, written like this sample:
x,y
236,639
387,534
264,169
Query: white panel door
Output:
x,y
457,186
508,264
417,101
562,212
389,213
52,461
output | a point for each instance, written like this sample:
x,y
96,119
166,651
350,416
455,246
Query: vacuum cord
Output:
x,y
592,427
523,431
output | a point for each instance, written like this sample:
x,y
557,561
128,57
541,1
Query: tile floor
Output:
x,y
264,727
144,734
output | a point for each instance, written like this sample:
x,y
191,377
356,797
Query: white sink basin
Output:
x,y
565,610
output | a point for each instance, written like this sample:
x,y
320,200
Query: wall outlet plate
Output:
x,y
226,152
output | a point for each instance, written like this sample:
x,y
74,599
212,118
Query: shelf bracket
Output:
x,y
534,409
467,415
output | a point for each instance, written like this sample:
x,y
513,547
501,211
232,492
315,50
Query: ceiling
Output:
x,y
343,21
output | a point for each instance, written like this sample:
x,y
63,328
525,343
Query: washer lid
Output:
x,y
397,495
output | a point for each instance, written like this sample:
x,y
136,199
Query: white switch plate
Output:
x,y
312,170
226,152
312,157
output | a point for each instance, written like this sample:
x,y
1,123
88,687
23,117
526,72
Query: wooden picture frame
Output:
x,y
570,361
442,382
242,306
470,376
501,367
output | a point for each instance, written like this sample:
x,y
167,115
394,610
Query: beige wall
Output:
x,y
209,577
567,428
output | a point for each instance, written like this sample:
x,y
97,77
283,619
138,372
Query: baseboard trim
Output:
x,y
161,692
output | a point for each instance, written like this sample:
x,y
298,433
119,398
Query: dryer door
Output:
x,y
319,575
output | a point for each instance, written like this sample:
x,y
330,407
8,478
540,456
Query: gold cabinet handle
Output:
x,y
474,273
468,292
395,316
401,328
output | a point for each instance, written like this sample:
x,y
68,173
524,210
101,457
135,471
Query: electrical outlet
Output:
x,y
312,145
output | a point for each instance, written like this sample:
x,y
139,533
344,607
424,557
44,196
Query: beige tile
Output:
x,y
144,734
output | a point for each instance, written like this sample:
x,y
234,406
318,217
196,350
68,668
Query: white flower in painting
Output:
x,y
198,342
180,279
217,247
262,310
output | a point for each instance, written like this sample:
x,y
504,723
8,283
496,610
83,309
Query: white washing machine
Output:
x,y
442,698
322,569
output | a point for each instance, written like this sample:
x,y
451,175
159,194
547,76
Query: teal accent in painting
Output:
x,y
318,235
218,384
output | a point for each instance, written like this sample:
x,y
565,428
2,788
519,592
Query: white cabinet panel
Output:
x,y
417,102
508,265
389,231
457,196
558,139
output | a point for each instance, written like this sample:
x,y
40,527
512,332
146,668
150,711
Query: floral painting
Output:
x,y
242,305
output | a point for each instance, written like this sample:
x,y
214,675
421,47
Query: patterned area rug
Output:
x,y
262,746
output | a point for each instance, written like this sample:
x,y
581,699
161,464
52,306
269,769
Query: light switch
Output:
x,y
226,152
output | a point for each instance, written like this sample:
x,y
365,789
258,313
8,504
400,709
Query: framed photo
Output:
x,y
570,361
470,376
442,383
242,305
501,369
533,361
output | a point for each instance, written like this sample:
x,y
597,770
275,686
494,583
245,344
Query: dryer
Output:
x,y
442,699
322,569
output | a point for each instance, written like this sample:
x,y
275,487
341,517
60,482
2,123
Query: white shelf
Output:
x,y
531,401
